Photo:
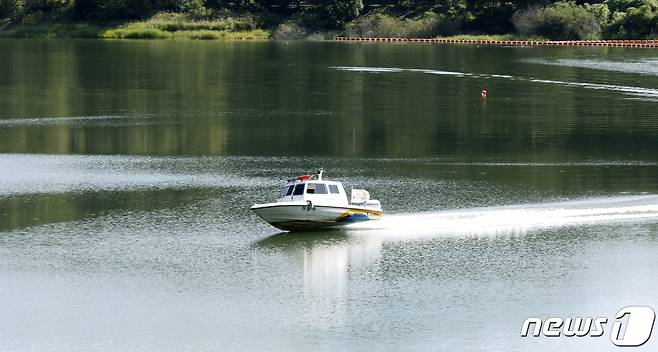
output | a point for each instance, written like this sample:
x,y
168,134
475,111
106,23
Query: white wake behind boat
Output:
x,y
309,202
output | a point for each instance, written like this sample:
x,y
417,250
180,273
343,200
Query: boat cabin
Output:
x,y
318,191
313,190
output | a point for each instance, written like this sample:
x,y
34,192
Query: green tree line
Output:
x,y
565,19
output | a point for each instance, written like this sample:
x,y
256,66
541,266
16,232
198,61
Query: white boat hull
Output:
x,y
296,216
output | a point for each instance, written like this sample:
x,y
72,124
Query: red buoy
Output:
x,y
484,93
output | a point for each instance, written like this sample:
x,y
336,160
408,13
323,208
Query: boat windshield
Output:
x,y
299,189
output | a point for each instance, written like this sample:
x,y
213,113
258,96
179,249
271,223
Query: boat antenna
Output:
x,y
320,173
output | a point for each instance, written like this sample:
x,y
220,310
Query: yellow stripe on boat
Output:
x,y
358,211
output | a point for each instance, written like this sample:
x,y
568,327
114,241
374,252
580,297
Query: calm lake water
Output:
x,y
127,169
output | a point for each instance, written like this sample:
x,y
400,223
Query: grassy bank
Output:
x,y
207,34
176,26
165,26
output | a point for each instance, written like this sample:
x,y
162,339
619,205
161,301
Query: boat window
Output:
x,y
333,189
316,188
299,189
289,192
320,188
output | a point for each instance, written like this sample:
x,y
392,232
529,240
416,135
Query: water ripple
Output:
x,y
38,174
629,90
642,66
72,120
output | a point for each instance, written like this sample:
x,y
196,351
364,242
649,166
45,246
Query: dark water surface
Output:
x,y
127,169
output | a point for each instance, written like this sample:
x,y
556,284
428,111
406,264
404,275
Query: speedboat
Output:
x,y
308,202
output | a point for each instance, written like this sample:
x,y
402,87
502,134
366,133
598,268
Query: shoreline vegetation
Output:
x,y
467,20
160,26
